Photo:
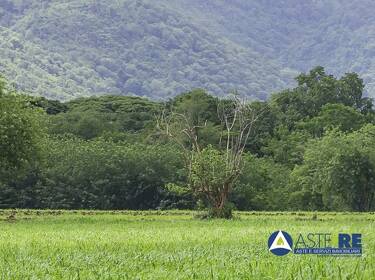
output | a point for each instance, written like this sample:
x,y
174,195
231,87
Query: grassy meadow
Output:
x,y
172,245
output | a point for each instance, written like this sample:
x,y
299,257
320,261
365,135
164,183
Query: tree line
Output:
x,y
309,148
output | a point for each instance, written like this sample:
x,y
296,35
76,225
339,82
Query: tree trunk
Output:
x,y
220,208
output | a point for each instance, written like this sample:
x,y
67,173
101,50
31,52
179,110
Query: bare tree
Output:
x,y
213,172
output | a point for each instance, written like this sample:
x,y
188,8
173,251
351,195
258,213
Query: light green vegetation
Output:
x,y
159,48
74,48
172,245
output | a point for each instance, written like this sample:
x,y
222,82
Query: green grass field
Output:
x,y
172,245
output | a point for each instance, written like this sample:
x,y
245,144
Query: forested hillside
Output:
x,y
337,34
145,48
160,48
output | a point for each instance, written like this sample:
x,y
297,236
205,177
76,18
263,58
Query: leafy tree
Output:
x,y
86,125
315,90
212,172
110,116
339,171
20,153
333,116
51,107
197,105
20,131
264,129
263,185
286,147
211,178
311,147
100,174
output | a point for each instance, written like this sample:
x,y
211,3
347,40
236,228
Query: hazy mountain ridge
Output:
x,y
337,34
138,48
160,48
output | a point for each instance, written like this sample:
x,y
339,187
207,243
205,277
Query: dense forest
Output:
x,y
159,48
312,147
61,50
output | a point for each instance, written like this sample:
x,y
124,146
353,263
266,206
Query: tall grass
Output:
x,y
172,245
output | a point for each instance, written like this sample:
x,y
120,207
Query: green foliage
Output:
x,y
19,131
315,90
263,129
160,48
100,174
107,115
334,116
311,147
286,147
298,35
210,179
176,189
198,110
144,48
106,175
209,169
51,107
340,170
263,185
198,106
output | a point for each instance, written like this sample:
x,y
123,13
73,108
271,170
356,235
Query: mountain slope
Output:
x,y
127,47
337,34
159,48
